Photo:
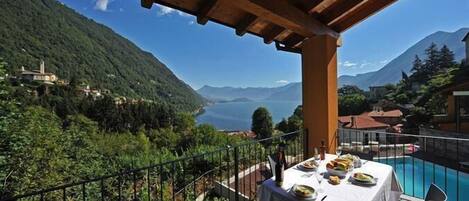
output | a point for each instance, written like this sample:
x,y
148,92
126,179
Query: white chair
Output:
x,y
435,194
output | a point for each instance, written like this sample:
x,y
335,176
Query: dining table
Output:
x,y
387,187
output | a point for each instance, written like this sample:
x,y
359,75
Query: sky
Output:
x,y
214,55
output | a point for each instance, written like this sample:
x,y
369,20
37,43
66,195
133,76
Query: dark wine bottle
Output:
x,y
279,168
323,150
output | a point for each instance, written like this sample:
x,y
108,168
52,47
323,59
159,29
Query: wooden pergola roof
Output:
x,y
287,22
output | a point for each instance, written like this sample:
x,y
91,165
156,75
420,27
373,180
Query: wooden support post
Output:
x,y
320,104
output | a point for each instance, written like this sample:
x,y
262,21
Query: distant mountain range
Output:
x,y
73,45
289,92
391,73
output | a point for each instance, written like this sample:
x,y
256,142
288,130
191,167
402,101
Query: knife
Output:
x,y
324,198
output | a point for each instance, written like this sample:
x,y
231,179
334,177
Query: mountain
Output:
x,y
73,45
289,92
391,73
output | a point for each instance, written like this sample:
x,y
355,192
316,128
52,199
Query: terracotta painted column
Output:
x,y
320,104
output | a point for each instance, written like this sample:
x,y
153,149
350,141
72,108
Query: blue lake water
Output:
x,y
237,115
415,178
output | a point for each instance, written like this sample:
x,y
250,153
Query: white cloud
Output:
x,y
349,64
282,82
191,22
101,5
366,64
163,10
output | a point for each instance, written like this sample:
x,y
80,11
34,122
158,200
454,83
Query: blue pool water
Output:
x,y
415,182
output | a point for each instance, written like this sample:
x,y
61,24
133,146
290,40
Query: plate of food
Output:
x,y
310,165
363,179
304,192
357,162
339,167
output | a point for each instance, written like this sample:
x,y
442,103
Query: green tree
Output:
x,y
143,141
349,90
283,126
184,122
353,104
8,114
36,151
295,122
78,138
432,61
418,70
446,58
262,123
298,112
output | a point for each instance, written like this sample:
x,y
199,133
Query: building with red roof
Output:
x,y
374,120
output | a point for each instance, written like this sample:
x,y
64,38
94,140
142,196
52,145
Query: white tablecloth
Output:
x,y
386,189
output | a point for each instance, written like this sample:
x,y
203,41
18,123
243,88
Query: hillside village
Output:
x,y
39,81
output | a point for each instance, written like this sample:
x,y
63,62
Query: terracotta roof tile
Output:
x,y
391,113
362,122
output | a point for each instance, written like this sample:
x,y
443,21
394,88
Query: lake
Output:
x,y
237,115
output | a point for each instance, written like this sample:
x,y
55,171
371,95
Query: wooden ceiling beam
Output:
x,y
243,26
147,3
359,14
338,10
322,5
205,10
306,5
284,14
293,40
279,47
270,36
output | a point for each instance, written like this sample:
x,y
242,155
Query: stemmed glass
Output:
x,y
319,177
338,151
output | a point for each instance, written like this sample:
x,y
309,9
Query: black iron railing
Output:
x,y
232,173
417,160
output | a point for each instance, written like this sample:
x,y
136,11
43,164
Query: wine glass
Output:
x,y
338,151
319,177
316,154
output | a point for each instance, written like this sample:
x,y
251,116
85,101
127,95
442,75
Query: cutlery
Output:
x,y
324,198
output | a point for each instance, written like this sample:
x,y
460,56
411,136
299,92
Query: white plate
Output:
x,y
313,197
361,183
300,166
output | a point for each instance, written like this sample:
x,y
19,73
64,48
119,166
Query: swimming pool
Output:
x,y
410,172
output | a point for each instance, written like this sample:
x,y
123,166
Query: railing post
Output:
x,y
236,172
305,144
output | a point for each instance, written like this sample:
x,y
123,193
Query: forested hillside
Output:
x,y
391,72
73,45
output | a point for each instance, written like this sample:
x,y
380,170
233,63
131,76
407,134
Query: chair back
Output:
x,y
272,165
435,194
